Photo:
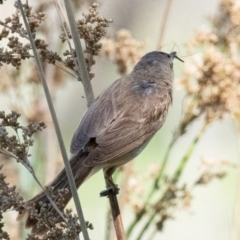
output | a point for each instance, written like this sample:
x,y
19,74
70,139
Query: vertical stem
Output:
x,y
57,128
127,168
80,57
108,229
50,153
164,22
117,220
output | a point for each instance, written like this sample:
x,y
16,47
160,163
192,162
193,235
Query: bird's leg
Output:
x,y
111,186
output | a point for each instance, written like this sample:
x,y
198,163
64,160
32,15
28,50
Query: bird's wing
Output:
x,y
121,137
99,115
115,124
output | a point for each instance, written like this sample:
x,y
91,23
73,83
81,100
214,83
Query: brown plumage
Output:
x,y
118,125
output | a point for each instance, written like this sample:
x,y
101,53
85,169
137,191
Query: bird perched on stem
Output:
x,y
117,126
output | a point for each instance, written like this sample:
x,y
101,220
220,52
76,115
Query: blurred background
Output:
x,y
207,210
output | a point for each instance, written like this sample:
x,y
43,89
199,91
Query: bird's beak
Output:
x,y
174,55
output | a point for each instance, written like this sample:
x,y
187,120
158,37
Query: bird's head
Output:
x,y
157,61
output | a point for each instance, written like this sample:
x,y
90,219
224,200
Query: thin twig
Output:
x,y
64,70
31,170
164,22
80,56
155,186
189,152
126,172
108,228
57,128
17,31
63,20
116,215
177,174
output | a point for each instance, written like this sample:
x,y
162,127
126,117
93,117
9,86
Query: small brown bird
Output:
x,y
118,125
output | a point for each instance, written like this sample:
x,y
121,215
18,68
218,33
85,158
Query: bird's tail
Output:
x,y
80,173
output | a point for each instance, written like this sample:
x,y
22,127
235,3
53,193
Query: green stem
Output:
x,y
187,155
141,213
177,174
146,226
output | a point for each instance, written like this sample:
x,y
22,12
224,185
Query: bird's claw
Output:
x,y
110,189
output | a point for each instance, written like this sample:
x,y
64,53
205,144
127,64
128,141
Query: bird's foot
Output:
x,y
113,189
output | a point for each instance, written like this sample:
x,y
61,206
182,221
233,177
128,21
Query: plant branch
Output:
x,y
164,22
155,186
188,154
63,20
31,170
80,56
19,32
116,215
57,128
177,174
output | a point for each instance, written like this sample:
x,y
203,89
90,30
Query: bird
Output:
x,y
117,126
